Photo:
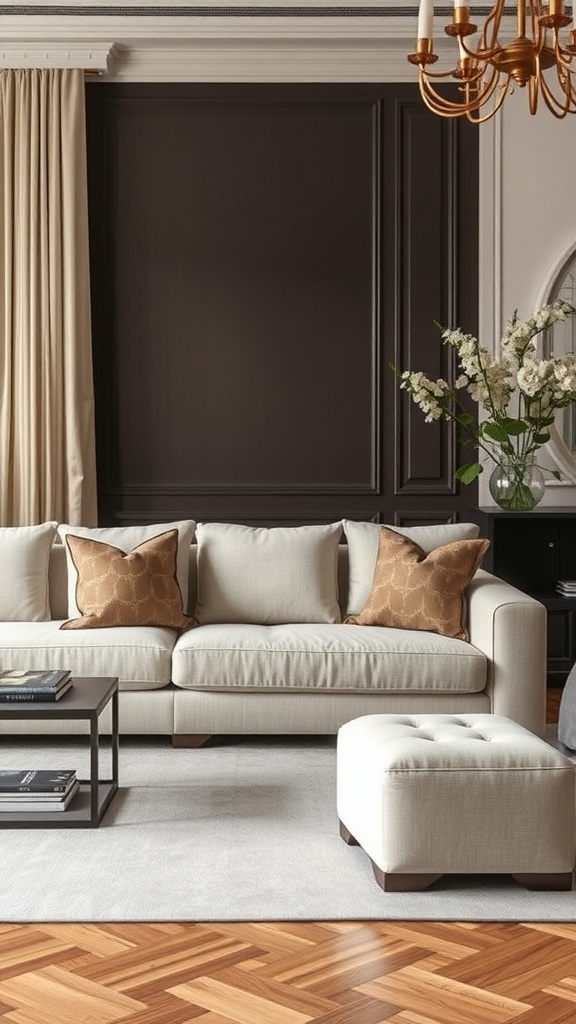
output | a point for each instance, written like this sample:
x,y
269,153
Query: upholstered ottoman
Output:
x,y
427,795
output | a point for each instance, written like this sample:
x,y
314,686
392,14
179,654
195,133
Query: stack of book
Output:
x,y
566,587
33,791
34,685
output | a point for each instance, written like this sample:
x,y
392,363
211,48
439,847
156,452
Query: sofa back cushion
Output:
x,y
24,561
58,581
363,540
267,575
193,579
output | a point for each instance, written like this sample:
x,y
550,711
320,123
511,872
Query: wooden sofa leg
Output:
x,y
190,739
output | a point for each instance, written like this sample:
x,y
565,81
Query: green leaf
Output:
x,y
468,472
465,418
514,427
541,438
556,473
541,421
494,431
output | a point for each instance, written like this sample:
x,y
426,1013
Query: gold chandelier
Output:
x,y
537,59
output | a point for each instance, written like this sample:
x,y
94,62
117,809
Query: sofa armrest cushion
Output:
x,y
509,627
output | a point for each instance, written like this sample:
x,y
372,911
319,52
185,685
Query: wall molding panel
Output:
x,y
260,255
425,270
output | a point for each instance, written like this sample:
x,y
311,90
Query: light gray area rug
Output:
x,y
245,829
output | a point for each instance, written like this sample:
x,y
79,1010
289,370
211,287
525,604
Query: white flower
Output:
x,y
529,380
519,392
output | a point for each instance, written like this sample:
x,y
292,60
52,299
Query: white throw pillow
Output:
x,y
24,559
267,575
363,540
126,538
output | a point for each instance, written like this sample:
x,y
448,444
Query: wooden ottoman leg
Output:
x,y
559,882
347,836
397,882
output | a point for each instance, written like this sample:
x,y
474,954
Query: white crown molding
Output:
x,y
265,60
211,40
131,30
98,58
215,48
67,8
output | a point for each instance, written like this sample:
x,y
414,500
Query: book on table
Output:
x,y
566,587
32,803
31,685
36,781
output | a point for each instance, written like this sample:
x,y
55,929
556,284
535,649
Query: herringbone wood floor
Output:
x,y
292,973
289,973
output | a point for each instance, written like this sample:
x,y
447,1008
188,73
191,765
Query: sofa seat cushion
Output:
x,y
141,656
329,657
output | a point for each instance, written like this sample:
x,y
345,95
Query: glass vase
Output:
x,y
517,484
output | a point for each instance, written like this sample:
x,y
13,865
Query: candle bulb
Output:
x,y
425,19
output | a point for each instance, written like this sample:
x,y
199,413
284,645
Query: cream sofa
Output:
x,y
288,676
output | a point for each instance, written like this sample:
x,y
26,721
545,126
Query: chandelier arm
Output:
x,y
450,108
538,32
440,104
497,104
495,17
479,54
443,74
558,112
555,106
569,90
486,75
474,76
431,100
493,83
533,93
563,57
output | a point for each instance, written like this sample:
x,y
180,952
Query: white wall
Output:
x,y
528,222
538,200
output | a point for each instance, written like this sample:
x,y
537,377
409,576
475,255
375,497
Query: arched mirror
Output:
x,y
560,340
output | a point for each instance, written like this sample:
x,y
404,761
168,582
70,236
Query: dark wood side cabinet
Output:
x,y
533,550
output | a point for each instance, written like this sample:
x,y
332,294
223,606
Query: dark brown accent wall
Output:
x,y
260,254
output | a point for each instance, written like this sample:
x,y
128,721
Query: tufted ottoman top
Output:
x,y
425,795
470,742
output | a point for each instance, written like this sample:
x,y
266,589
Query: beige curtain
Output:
x,y
47,448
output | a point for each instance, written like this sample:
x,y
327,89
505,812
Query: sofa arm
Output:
x,y
509,627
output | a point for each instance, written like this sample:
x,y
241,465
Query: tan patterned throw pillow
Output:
x,y
415,590
135,588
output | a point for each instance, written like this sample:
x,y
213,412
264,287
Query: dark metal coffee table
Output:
x,y
86,699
